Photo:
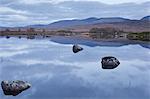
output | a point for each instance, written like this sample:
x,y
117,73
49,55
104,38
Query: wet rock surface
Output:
x,y
14,87
76,48
109,62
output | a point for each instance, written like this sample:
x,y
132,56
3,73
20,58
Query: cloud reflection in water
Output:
x,y
55,72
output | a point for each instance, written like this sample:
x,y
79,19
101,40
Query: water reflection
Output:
x,y
91,43
56,72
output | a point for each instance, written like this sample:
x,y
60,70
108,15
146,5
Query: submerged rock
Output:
x,y
76,48
109,62
19,37
31,37
14,87
7,37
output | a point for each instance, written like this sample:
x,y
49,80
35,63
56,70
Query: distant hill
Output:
x,y
70,23
146,18
127,26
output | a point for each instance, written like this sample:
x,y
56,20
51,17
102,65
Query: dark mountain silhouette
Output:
x,y
146,18
77,22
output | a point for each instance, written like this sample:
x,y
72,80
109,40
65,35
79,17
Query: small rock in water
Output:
x,y
7,37
14,87
109,62
19,37
76,48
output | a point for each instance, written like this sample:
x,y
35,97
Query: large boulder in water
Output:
x,y
14,87
76,48
109,62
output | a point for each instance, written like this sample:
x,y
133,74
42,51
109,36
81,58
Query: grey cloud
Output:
x,y
44,13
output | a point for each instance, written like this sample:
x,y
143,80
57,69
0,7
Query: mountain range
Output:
x,y
85,24
78,22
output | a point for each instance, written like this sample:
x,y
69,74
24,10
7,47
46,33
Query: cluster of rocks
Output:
x,y
14,87
108,62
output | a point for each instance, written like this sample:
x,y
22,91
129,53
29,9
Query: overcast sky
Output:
x,y
26,12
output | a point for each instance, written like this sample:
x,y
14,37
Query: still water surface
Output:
x,y
55,72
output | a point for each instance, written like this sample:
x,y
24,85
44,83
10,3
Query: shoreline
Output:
x,y
78,37
86,41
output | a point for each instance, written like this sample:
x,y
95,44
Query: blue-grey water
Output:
x,y
55,72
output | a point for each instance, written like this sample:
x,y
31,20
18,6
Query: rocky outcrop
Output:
x,y
109,62
76,48
14,87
